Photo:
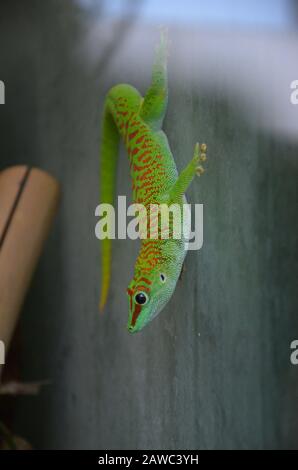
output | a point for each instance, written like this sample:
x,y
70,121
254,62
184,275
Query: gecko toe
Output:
x,y
199,170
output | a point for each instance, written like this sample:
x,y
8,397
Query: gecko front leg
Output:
x,y
187,174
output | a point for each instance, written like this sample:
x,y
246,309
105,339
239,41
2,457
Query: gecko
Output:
x,y
155,180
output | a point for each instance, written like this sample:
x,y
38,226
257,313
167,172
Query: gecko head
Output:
x,y
147,295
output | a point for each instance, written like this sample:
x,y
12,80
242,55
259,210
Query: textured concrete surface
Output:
x,y
213,370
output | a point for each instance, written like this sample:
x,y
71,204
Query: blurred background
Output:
x,y
213,370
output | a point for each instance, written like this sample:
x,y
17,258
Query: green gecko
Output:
x,y
155,180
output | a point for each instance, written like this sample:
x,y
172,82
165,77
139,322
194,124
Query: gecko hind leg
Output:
x,y
154,105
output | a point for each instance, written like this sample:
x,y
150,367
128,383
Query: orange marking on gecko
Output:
x,y
147,269
142,288
147,183
144,176
140,168
140,139
132,135
130,293
147,144
136,313
135,151
144,279
142,155
147,245
144,253
151,253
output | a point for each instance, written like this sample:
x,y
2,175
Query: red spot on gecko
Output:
x,y
140,168
130,292
132,135
144,279
140,139
143,155
147,144
144,176
135,151
143,288
136,313
147,183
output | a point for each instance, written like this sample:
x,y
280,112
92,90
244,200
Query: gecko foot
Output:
x,y
199,157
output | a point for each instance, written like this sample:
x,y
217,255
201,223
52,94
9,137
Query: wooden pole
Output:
x,y
28,202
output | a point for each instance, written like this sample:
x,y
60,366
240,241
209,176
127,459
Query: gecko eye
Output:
x,y
141,298
163,278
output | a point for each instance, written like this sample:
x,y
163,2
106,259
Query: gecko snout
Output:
x,y
131,329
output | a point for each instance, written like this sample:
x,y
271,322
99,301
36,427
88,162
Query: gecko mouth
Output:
x,y
132,329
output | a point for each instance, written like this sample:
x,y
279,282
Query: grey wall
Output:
x,y
213,370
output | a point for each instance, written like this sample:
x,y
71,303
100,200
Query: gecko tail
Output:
x,y
108,162
106,273
120,100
